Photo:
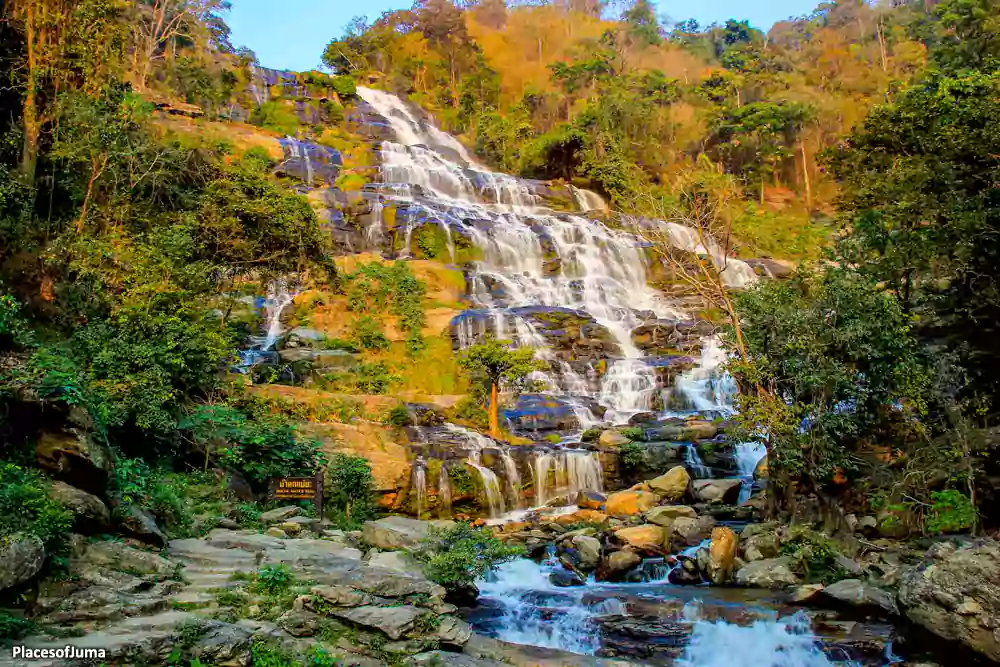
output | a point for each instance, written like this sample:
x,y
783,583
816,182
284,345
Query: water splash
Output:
x,y
747,455
444,493
784,643
707,387
694,464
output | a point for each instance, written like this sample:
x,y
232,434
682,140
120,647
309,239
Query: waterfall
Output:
x,y
512,477
444,493
694,464
491,484
784,643
734,273
706,388
587,200
572,471
420,486
747,455
279,296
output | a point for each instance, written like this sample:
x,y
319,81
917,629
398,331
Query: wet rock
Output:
x,y
726,491
397,532
806,594
768,573
642,537
90,514
665,515
617,564
21,558
673,485
75,457
566,578
760,546
589,551
955,594
693,531
629,503
590,500
687,431
722,555
279,514
139,523
857,593
612,438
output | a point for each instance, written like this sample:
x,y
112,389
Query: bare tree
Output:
x,y
160,23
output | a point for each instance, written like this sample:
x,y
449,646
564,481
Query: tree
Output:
x,y
494,365
157,25
351,487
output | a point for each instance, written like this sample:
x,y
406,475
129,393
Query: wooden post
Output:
x,y
319,494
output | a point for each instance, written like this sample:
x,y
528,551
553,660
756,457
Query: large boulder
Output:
x,y
141,524
767,573
108,555
76,457
673,485
955,594
398,532
612,438
692,531
617,564
21,558
629,503
590,500
760,545
665,515
642,537
588,550
90,514
726,491
858,594
393,621
722,554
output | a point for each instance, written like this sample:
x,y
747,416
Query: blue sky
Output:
x,y
291,34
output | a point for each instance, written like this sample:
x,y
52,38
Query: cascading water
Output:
x,y
279,297
419,482
694,464
571,471
512,478
747,456
444,494
785,643
706,388
491,484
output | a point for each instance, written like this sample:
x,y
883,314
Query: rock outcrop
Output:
x,y
21,558
673,485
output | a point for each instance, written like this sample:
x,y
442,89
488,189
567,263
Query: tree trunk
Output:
x,y
494,411
805,173
32,123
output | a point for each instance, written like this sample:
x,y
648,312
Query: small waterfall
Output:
x,y
735,273
491,484
588,200
628,388
788,642
747,456
419,482
512,477
707,388
572,471
444,493
694,464
279,296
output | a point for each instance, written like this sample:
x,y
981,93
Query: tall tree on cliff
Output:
x,y
494,365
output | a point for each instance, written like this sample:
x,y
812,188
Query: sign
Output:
x,y
299,488
294,488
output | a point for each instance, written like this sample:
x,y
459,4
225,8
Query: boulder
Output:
x,y
566,578
21,558
300,623
642,537
629,503
806,593
279,514
673,485
588,551
117,556
692,531
620,562
590,500
760,546
396,561
665,515
583,516
90,514
722,555
857,593
725,491
76,458
612,438
452,631
767,573
395,622
139,523
955,594
686,431
397,532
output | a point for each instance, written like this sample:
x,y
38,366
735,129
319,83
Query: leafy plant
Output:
x,y
273,579
25,507
634,433
14,627
631,455
367,333
455,557
494,363
398,416
351,488
951,511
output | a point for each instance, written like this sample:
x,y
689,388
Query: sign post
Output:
x,y
299,488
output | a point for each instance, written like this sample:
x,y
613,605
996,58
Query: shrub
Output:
x,y
813,554
634,433
368,333
271,448
590,435
273,579
951,511
14,627
350,489
25,507
398,416
631,455
455,557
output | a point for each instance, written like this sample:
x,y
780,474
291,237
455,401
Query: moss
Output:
x,y
350,182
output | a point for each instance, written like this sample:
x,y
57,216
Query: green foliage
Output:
x,y
25,507
351,489
461,480
590,435
457,556
367,333
398,416
631,455
14,330
272,579
495,363
14,627
375,288
634,433
472,412
269,448
951,511
276,116
813,554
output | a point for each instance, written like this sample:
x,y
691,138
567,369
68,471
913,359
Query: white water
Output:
x,y
420,486
784,643
566,472
747,456
706,387
694,464
444,494
279,296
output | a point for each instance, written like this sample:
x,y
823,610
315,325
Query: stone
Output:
x,y
722,554
341,596
693,531
291,528
857,593
75,457
566,578
589,550
451,659
767,573
453,631
806,593
955,594
395,622
299,623
90,514
620,562
642,537
221,643
612,438
590,500
275,531
396,561
629,503
21,558
398,532
139,523
760,546
583,516
672,485
665,515
227,523
118,556
725,491
279,514
848,565
867,523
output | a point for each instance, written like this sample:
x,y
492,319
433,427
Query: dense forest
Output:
x,y
860,143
